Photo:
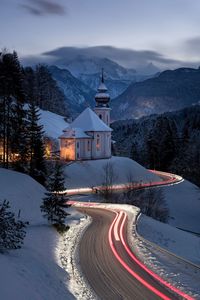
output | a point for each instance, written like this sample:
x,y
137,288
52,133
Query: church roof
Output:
x,y
77,133
102,97
102,87
89,121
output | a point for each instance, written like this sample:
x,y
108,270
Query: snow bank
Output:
x,y
184,205
23,193
31,272
53,123
90,173
170,238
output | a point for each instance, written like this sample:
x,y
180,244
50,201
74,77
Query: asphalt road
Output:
x,y
107,277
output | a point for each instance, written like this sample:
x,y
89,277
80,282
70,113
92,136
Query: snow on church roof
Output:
x,y
78,133
89,121
102,87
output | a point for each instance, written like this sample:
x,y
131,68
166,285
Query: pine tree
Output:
x,y
52,207
11,92
30,85
19,138
37,166
12,231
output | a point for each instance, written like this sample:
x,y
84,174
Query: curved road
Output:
x,y
111,269
105,274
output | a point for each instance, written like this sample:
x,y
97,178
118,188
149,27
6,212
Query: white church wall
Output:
x,y
100,145
103,113
85,149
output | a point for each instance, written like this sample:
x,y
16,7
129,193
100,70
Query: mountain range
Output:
x,y
77,93
170,90
132,94
88,71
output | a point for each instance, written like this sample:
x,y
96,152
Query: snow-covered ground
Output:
x,y
183,200
174,270
36,271
23,193
184,207
184,210
91,173
32,272
179,273
181,243
184,204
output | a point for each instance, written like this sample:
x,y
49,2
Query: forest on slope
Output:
x,y
167,142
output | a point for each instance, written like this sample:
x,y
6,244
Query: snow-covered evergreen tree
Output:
x,y
52,207
12,231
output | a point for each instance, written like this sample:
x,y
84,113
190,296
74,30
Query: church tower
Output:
x,y
102,99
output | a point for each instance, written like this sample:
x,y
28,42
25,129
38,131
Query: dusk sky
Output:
x,y
168,27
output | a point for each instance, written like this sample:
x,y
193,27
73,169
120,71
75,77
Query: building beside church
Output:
x,y
89,135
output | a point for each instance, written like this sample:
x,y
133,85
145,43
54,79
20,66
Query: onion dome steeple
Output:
x,y
102,97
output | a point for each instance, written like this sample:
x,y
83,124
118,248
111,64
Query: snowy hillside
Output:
x,y
23,193
169,91
184,205
91,173
31,272
184,210
53,124
170,238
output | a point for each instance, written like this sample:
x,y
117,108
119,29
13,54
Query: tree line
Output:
x,y
22,91
167,142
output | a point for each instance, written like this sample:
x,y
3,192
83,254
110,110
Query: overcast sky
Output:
x,y
168,27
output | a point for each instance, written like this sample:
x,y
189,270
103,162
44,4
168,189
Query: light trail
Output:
x,y
116,226
154,275
171,179
123,263
117,231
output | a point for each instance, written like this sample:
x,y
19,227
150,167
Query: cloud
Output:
x,y
192,46
43,7
127,57
136,59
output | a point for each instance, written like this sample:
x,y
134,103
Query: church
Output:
x,y
89,135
